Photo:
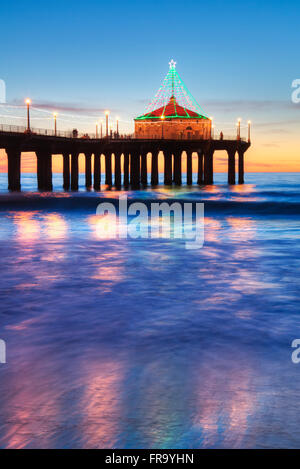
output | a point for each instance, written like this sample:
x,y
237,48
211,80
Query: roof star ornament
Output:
x,y
172,65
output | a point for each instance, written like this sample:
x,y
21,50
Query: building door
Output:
x,y
189,132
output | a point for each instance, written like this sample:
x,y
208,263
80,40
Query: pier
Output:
x,y
134,154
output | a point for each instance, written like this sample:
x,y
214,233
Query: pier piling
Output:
x,y
14,168
117,170
97,171
241,166
144,178
168,168
66,171
200,168
88,170
108,171
177,168
135,169
208,167
74,171
231,166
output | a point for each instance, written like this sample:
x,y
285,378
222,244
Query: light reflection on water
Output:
x,y
142,343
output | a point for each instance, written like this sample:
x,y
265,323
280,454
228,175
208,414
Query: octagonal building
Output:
x,y
173,113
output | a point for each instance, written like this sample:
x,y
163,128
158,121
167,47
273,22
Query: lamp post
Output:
x,y
55,123
106,116
162,126
239,128
249,127
28,102
117,118
100,129
96,129
211,127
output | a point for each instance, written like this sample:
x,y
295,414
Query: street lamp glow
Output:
x,y
162,127
106,116
239,128
55,128
117,119
28,102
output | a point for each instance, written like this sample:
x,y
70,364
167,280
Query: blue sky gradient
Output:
x,y
237,58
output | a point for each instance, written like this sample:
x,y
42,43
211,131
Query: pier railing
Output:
x,y
59,133
85,135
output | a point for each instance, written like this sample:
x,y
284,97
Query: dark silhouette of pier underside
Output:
x,y
133,151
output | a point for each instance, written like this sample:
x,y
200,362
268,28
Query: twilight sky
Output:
x,y
238,59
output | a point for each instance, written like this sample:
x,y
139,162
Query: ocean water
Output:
x,y
142,343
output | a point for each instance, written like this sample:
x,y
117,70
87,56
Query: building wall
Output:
x,y
173,128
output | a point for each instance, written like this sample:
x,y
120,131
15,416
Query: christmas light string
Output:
x,y
173,86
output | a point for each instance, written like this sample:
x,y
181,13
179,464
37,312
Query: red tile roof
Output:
x,y
172,110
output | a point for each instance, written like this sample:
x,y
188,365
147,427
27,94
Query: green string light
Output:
x,y
173,87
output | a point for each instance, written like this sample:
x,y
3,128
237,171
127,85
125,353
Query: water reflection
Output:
x,y
31,226
226,401
104,226
55,226
109,269
28,228
142,343
101,406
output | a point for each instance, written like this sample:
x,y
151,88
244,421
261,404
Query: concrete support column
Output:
x,y
135,169
126,169
117,170
200,167
14,168
97,171
74,171
66,171
177,168
108,172
40,171
208,167
88,170
241,166
48,171
144,179
231,166
44,170
189,168
154,168
168,168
